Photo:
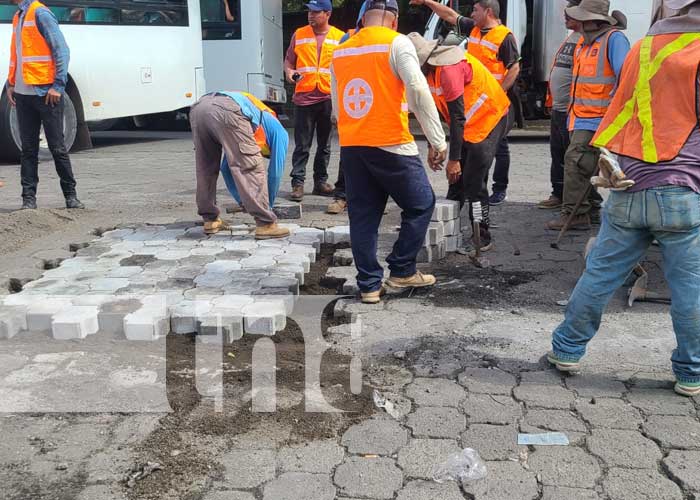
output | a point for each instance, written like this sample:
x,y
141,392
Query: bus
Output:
x,y
128,58
242,44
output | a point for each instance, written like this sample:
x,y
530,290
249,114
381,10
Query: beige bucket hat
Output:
x,y
592,10
430,52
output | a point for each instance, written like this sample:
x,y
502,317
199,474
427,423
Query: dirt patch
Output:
x,y
23,226
315,283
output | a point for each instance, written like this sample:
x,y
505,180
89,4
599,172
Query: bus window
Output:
x,y
7,12
221,19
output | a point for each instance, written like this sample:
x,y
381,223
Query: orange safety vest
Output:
x,y
372,107
38,67
654,110
594,80
315,73
259,134
485,49
485,101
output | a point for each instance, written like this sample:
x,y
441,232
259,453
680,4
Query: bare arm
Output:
x,y
443,11
511,77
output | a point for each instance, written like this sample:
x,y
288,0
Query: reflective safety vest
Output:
x,y
485,48
594,80
654,110
315,73
259,134
485,101
372,107
38,67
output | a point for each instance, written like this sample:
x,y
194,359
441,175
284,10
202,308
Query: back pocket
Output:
x,y
680,209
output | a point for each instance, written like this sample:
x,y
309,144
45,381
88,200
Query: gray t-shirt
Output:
x,y
562,74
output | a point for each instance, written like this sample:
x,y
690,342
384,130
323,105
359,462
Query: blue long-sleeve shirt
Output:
x,y
47,24
277,140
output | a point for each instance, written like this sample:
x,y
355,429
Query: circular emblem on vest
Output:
x,y
357,98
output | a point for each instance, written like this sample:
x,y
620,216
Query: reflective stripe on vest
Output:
x,y
485,49
372,107
485,101
655,108
38,67
315,73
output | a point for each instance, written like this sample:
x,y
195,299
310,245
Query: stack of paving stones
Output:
x,y
147,281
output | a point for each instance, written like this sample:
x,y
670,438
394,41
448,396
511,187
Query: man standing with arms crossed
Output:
x,y
307,64
376,79
36,84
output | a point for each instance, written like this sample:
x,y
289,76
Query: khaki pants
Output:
x,y
218,124
580,164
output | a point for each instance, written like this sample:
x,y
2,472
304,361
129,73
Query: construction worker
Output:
x,y
36,84
271,137
476,107
231,121
307,64
376,79
598,61
495,46
558,96
652,125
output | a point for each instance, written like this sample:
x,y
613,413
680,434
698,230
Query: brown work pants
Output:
x,y
217,123
580,164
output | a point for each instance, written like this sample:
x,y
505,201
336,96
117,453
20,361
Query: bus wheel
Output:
x,y
10,142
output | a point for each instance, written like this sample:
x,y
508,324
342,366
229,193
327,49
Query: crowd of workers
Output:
x,y
642,104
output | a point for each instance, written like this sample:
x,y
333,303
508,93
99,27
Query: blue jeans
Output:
x,y
371,176
631,221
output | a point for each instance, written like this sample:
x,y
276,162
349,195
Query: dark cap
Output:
x,y
390,5
320,5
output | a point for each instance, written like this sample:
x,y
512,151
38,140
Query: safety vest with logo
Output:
x,y
37,64
372,107
315,73
654,110
594,80
485,101
485,48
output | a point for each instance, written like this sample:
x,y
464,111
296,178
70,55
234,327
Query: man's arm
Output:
x,y
290,60
511,77
618,48
509,55
278,139
49,29
443,11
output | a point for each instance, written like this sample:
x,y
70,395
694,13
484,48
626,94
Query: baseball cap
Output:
x,y
319,5
390,5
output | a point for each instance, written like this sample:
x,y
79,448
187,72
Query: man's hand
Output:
x,y
454,171
288,73
436,158
11,94
53,97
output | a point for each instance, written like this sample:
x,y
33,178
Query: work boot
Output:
x,y
580,222
338,206
297,193
562,365
323,189
687,389
74,202
270,231
374,297
214,226
418,280
28,204
550,203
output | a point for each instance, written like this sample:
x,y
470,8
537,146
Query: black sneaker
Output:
x,y
497,198
73,202
28,204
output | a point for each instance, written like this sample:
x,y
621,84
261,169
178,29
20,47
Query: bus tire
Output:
x,y
10,142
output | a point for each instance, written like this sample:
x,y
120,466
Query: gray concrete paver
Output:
x,y
683,468
491,409
300,486
674,431
248,468
565,466
435,392
487,381
609,413
436,422
375,478
493,442
640,484
319,457
378,436
620,448
418,458
505,480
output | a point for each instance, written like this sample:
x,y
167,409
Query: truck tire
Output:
x,y
10,143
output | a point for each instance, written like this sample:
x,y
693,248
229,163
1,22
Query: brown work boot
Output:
x,y
373,297
337,207
323,189
578,223
214,226
550,203
418,280
270,231
297,193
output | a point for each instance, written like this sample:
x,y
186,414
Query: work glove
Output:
x,y
610,175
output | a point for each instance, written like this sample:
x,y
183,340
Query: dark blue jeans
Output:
x,y
558,144
371,176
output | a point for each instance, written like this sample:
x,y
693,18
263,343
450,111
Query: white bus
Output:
x,y
128,58
242,44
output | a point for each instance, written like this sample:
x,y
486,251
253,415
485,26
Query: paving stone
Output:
x,y
294,260
75,322
319,234
101,491
595,386
435,392
437,422
682,467
562,493
609,413
124,271
255,262
13,319
184,316
682,433
547,377
343,257
248,468
493,442
229,495
453,243
172,255
146,325
213,280
175,284
288,211
445,210
565,466
308,251
505,480
300,486
487,409
377,436
319,457
138,260
435,233
660,402
620,448
264,318
376,478
338,234
544,396
640,484
555,420
418,458
220,325
111,314
290,284
108,284
307,239
425,490
487,381
41,312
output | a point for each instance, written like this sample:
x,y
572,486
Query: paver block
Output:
x,y
488,409
75,322
229,495
544,396
437,422
293,260
452,243
376,478
493,442
555,420
609,413
660,402
213,280
247,469
107,285
343,257
257,262
435,234
445,210
288,211
13,319
338,234
146,324
307,239
418,458
265,317
319,234
300,486
427,490
677,432
451,228
290,284
620,448
378,436
435,392
487,381
307,251
183,316
319,457
124,271
505,480
596,386
682,467
640,484
565,466
220,325
111,314
40,313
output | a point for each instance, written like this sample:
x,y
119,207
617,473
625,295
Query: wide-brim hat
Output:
x,y
591,10
430,52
